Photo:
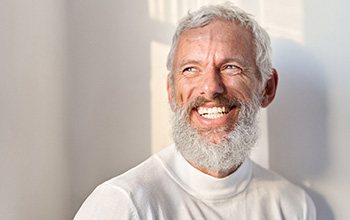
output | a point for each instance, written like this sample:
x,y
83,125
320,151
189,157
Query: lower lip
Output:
x,y
202,122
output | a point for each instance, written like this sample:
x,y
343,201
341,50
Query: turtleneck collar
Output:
x,y
202,185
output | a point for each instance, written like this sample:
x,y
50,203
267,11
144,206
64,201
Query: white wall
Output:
x,y
33,150
109,103
76,103
310,122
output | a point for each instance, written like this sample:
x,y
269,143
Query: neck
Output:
x,y
216,173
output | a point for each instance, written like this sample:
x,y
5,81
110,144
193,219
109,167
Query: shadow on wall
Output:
x,y
297,120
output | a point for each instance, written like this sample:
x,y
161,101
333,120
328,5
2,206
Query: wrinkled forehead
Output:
x,y
226,37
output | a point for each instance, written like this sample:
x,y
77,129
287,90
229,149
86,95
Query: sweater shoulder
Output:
x,y
143,178
139,176
290,197
270,180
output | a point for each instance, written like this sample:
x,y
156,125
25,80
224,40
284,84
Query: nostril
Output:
x,y
213,87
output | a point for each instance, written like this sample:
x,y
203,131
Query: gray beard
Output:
x,y
229,153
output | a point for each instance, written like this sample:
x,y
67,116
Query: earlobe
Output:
x,y
270,89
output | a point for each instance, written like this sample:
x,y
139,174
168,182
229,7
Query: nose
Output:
x,y
212,84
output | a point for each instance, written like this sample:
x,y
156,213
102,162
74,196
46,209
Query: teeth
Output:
x,y
213,116
212,113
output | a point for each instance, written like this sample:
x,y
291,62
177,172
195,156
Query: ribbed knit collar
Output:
x,y
201,185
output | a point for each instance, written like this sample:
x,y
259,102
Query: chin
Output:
x,y
214,135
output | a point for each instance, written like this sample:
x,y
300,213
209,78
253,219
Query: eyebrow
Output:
x,y
191,61
186,62
238,60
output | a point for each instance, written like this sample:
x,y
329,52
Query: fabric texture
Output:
x,y
167,187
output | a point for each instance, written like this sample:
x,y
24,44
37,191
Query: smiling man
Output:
x,y
220,76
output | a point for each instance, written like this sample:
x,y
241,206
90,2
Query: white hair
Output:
x,y
228,12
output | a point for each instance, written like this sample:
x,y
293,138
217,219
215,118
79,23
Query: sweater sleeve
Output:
x,y
107,202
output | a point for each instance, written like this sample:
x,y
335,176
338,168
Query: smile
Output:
x,y
212,113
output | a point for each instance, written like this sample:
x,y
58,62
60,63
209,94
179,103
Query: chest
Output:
x,y
179,204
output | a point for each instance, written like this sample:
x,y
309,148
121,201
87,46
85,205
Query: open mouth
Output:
x,y
213,112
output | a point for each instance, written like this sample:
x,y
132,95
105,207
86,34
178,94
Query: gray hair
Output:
x,y
228,12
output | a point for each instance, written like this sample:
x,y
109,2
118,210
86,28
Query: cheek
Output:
x,y
242,89
184,90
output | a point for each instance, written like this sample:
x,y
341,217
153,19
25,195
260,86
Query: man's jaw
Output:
x,y
219,150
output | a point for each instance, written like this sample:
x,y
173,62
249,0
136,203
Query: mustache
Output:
x,y
219,100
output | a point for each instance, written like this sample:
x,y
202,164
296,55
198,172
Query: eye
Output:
x,y
231,69
189,70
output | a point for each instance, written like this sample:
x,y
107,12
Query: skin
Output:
x,y
217,60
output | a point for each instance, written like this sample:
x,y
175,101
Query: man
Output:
x,y
220,75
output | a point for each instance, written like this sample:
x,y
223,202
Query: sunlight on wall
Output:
x,y
284,19
163,10
170,11
160,110
281,20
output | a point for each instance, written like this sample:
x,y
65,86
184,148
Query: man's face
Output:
x,y
214,68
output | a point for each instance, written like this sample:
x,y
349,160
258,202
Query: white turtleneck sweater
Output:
x,y
166,186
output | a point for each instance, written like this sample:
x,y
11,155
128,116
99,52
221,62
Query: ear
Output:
x,y
270,89
170,92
